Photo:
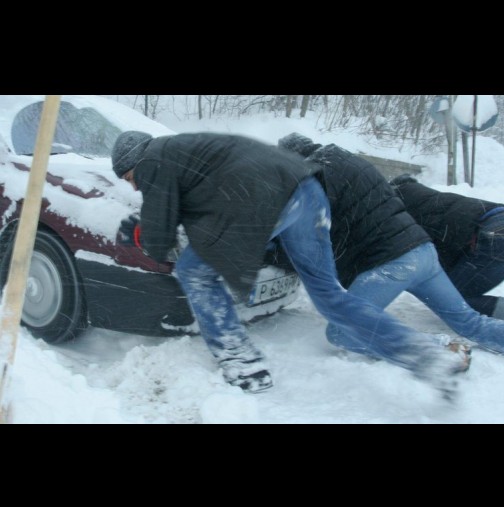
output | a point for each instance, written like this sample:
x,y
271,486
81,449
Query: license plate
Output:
x,y
274,288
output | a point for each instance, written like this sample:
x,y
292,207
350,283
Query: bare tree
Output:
x,y
215,103
288,106
392,118
304,105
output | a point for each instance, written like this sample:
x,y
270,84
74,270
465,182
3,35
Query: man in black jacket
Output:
x,y
469,237
233,195
381,251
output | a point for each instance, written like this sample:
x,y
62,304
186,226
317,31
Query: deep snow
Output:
x,y
110,377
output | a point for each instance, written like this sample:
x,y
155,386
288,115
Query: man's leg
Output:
x,y
242,363
443,298
380,286
481,270
307,244
471,279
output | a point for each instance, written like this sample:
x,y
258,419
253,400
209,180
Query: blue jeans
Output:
x,y
212,304
303,230
420,273
482,269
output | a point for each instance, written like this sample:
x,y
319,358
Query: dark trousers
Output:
x,y
482,269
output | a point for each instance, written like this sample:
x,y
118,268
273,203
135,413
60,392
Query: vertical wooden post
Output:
x,y
23,245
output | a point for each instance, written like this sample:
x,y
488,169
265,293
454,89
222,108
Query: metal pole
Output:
x,y
451,176
465,154
475,112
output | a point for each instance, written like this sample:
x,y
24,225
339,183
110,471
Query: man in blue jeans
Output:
x,y
469,236
381,251
233,195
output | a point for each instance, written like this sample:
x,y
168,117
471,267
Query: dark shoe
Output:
x,y
243,366
254,383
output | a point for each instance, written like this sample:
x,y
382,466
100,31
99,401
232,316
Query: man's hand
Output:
x,y
129,231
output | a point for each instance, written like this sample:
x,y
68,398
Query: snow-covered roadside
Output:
x,y
108,377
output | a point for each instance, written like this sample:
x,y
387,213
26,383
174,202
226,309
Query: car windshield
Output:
x,y
84,131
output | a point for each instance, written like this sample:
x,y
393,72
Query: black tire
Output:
x,y
54,308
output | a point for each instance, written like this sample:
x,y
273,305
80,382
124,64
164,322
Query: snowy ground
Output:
x,y
109,377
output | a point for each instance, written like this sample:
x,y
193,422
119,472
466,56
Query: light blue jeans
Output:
x,y
303,230
419,273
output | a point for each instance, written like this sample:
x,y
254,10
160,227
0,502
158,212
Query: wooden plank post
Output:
x,y
13,298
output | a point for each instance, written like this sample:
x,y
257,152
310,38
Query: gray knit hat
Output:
x,y
298,144
128,150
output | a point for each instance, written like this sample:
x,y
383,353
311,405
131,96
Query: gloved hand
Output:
x,y
129,231
403,178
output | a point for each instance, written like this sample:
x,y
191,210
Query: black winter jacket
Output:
x,y
370,225
450,219
227,191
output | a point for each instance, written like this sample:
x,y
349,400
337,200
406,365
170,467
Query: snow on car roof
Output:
x,y
123,117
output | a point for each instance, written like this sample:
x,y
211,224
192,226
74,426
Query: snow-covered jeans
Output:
x,y
419,273
482,268
303,230
219,324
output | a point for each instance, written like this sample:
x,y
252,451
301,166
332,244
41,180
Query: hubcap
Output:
x,y
44,292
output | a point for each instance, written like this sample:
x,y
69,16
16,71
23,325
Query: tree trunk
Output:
x,y
154,106
288,107
418,120
304,105
215,103
200,111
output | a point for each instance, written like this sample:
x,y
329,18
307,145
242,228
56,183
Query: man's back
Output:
x,y
450,219
370,225
227,191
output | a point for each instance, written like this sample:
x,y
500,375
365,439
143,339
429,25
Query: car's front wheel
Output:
x,y
54,307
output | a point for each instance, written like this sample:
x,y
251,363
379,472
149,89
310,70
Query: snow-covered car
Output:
x,y
79,275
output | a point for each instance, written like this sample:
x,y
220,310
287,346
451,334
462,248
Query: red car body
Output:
x,y
79,275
